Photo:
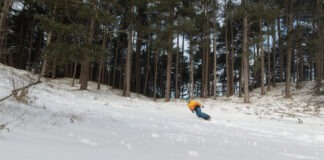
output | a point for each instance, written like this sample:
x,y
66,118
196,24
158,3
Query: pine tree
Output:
x,y
191,68
85,71
128,64
245,53
319,47
227,51
169,33
215,50
141,28
261,46
271,14
289,48
3,27
49,40
280,46
128,69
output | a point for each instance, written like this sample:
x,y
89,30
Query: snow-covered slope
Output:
x,y
56,121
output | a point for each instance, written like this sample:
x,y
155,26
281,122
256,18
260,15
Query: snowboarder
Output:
x,y
196,107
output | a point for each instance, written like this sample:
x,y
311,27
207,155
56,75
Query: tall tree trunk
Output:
x,y
5,52
299,57
319,49
147,65
100,72
38,50
245,56
204,72
169,56
269,60
128,64
54,63
289,50
231,64
84,75
85,71
177,90
262,56
155,74
122,76
74,73
138,67
280,46
191,69
20,56
168,71
311,67
3,27
215,59
115,66
101,64
256,66
182,64
241,78
30,48
48,42
273,53
226,52
205,65
203,68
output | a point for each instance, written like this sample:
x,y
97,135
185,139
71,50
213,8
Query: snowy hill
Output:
x,y
56,121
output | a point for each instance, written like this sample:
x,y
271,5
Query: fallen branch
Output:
x,y
6,97
19,89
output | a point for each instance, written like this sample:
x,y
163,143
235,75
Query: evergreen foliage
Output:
x,y
169,43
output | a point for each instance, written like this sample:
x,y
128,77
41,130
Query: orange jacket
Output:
x,y
192,105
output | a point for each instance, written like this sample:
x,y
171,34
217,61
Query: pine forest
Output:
x,y
168,49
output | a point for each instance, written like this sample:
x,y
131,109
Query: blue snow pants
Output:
x,y
201,114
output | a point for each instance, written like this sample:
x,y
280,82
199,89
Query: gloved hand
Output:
x,y
202,106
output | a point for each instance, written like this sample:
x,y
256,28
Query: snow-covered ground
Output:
x,y
58,122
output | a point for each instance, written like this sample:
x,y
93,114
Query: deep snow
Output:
x,y
57,121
